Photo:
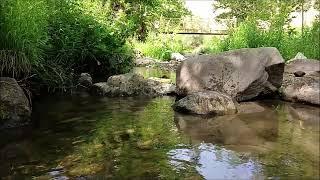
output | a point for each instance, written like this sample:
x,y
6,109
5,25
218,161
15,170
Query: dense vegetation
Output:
x,y
49,41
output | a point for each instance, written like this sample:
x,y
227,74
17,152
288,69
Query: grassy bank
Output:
x,y
247,35
49,41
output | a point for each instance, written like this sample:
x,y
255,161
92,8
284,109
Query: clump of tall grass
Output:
x,y
23,35
56,39
288,41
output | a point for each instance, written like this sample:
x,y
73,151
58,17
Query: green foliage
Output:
x,y
140,15
288,42
23,35
247,35
80,41
259,10
160,46
56,39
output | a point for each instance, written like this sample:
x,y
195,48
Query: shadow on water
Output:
x,y
134,138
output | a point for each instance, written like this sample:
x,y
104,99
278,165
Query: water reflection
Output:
x,y
256,130
136,138
282,141
214,162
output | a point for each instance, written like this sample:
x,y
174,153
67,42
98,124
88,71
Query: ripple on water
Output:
x,y
103,137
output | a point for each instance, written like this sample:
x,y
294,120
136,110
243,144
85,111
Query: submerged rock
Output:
x,y
15,108
131,84
307,115
250,107
208,102
304,88
242,74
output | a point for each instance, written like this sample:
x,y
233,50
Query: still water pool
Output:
x,y
138,138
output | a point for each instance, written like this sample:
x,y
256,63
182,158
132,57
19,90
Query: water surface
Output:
x,y
136,138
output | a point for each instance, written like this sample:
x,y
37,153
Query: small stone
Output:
x,y
299,73
85,80
130,131
145,145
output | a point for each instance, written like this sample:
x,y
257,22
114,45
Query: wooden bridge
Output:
x,y
189,26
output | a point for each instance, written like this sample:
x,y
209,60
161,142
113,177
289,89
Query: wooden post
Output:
x,y
302,17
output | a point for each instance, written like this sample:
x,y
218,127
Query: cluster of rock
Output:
x,y
131,84
172,65
214,84
205,84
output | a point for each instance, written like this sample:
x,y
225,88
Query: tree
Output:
x,y
266,10
141,14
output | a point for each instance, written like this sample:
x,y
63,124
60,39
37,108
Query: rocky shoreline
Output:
x,y
206,84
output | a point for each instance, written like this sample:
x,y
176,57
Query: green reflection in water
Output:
x,y
296,151
129,143
134,138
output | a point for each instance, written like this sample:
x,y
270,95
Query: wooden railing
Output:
x,y
188,26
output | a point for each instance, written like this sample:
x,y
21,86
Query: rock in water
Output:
x,y
85,80
242,74
131,84
305,88
208,102
15,107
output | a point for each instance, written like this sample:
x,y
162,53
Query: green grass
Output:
x,y
56,39
247,35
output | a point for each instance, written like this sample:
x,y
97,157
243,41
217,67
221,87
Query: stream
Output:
x,y
142,138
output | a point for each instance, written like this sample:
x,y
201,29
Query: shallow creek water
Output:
x,y
139,138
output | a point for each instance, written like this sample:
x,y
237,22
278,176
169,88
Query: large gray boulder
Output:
x,y
132,84
242,74
304,88
208,102
15,109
